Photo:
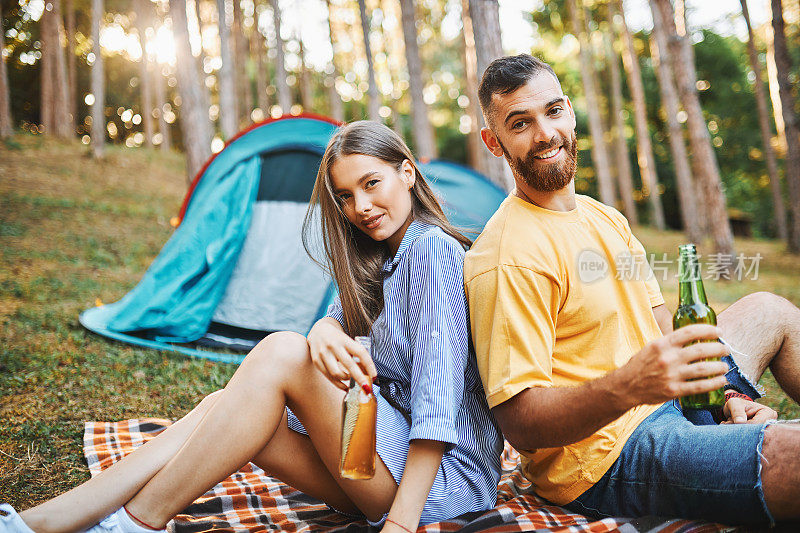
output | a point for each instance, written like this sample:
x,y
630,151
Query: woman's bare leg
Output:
x,y
304,470
90,502
246,418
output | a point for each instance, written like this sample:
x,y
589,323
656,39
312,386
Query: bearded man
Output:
x,y
582,370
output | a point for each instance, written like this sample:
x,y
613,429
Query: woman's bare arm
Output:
x,y
424,458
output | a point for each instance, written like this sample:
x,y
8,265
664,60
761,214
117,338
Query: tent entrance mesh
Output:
x,y
275,285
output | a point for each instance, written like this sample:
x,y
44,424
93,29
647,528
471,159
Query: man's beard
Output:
x,y
547,177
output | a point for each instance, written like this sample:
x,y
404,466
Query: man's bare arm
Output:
x,y
664,318
543,417
546,417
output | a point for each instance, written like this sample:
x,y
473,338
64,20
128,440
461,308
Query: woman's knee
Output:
x,y
209,400
283,351
199,410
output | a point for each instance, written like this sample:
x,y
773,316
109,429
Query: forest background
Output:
x,y
336,75
109,107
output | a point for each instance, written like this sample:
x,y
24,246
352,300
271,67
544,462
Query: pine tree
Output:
x,y
334,100
159,80
98,84
644,148
284,93
703,156
195,124
72,76
421,127
766,131
6,121
143,21
680,159
623,164
783,63
485,14
228,118
373,102
599,156
475,146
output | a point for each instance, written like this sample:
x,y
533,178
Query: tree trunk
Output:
x,y
306,92
284,94
485,15
623,163
388,48
699,138
161,101
54,87
195,124
258,50
766,131
680,29
46,72
143,20
680,159
72,79
599,155
63,121
6,122
774,89
420,124
374,101
473,110
783,63
204,57
244,98
644,149
335,100
228,117
64,124
98,84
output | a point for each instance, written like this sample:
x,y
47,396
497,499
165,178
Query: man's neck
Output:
x,y
560,200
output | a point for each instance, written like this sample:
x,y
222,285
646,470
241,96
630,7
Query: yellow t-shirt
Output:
x,y
557,299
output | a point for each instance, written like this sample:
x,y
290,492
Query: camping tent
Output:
x,y
235,268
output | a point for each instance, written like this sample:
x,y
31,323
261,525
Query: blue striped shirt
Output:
x,y
425,362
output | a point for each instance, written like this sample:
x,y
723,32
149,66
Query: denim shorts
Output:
x,y
684,465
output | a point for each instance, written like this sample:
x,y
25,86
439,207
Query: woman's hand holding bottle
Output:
x,y
340,357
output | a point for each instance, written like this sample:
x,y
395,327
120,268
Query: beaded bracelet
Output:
x,y
733,394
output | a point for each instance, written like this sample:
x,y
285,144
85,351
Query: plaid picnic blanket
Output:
x,y
250,500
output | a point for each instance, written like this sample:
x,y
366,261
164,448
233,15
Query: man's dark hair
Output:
x,y
507,74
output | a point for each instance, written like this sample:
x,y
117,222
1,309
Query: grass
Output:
x,y
778,272
74,231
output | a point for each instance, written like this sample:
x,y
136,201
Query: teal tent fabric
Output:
x,y
179,292
467,197
176,298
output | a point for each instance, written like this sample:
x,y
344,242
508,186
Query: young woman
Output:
x,y
398,264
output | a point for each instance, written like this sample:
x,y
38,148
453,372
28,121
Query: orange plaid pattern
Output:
x,y
250,500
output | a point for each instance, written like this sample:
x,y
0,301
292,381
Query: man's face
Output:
x,y
534,128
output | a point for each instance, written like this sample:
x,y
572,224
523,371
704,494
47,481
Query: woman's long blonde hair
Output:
x,y
352,258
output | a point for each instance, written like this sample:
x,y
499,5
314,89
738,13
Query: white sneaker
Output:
x,y
11,522
109,524
119,522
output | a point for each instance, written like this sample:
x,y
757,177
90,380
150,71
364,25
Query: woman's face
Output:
x,y
374,196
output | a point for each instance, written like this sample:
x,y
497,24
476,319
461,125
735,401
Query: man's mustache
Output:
x,y
555,142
